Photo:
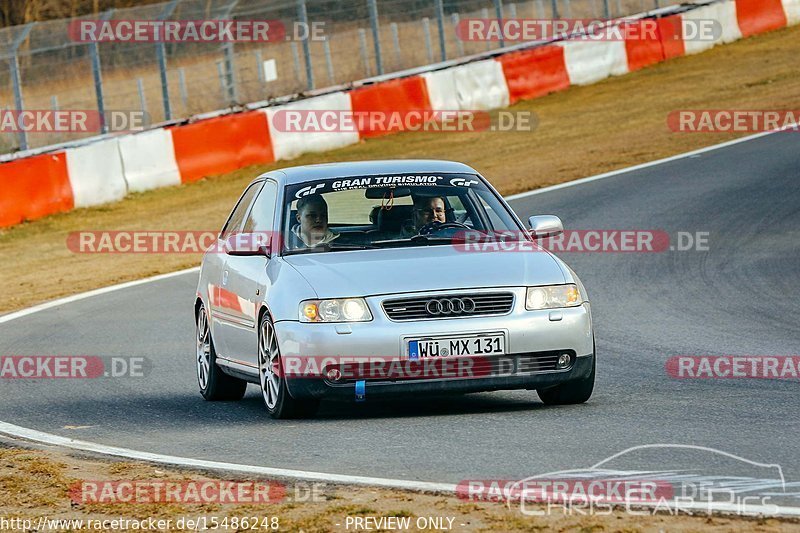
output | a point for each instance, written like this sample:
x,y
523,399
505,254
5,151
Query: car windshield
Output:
x,y
379,211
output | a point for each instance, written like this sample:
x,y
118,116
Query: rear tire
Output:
x,y
277,399
572,392
215,385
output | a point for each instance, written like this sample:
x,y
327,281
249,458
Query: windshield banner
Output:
x,y
385,181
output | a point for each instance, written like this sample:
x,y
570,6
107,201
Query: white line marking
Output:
x,y
55,440
96,292
423,486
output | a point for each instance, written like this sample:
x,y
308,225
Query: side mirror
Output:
x,y
545,226
248,244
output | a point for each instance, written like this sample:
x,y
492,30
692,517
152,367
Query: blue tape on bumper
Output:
x,y
361,391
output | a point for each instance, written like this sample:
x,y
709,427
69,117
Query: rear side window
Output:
x,y
236,219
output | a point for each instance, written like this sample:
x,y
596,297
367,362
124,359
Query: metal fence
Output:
x,y
42,68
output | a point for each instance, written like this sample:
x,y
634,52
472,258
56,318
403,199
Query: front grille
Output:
x,y
449,306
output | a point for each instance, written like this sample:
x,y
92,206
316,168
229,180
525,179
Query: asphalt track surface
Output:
x,y
740,297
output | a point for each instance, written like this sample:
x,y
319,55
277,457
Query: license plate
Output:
x,y
491,344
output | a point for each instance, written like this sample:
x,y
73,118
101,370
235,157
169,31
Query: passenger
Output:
x,y
312,230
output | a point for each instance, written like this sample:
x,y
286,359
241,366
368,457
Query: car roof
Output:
x,y
292,175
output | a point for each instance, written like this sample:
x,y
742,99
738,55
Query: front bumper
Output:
x,y
526,332
321,388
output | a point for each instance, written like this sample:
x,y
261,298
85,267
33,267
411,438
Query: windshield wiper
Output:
x,y
416,239
432,240
330,247
336,246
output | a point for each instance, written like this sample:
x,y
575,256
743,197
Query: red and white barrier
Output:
x,y
478,86
404,95
95,173
481,86
725,13
105,170
645,51
591,61
290,144
34,187
442,91
221,144
535,72
792,10
671,35
758,16
148,160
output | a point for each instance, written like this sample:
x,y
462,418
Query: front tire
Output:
x,y
277,399
572,392
215,385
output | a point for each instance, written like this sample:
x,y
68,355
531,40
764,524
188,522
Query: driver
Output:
x,y
312,230
427,209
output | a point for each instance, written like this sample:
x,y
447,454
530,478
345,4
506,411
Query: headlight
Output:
x,y
338,310
552,297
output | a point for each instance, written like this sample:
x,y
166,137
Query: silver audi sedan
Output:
x,y
387,278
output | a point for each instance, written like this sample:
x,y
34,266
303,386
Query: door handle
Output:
x,y
224,277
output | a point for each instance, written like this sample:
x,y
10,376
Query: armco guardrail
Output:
x,y
106,169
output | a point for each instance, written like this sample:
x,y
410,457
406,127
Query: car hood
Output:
x,y
400,270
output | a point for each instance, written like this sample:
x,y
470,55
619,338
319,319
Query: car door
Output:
x,y
247,278
223,302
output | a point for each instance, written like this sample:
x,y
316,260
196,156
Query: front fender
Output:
x,y
285,288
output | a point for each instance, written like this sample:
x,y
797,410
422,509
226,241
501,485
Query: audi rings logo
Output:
x,y
450,306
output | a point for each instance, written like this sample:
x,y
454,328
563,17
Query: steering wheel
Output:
x,y
436,226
